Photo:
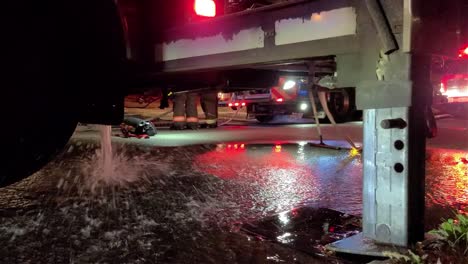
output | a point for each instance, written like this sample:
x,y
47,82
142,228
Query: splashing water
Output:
x,y
107,167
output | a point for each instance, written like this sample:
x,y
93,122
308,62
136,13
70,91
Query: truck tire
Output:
x,y
57,53
341,103
264,118
33,143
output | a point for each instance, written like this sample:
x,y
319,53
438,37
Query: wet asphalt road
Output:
x,y
180,197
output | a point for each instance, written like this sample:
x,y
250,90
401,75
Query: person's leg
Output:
x,y
210,102
191,111
164,99
178,120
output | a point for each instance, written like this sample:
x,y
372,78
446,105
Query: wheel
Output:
x,y
264,118
43,82
341,104
31,143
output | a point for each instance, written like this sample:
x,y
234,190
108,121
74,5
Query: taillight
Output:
x,y
205,8
279,100
237,104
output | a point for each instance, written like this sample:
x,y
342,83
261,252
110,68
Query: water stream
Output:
x,y
112,166
106,151
106,166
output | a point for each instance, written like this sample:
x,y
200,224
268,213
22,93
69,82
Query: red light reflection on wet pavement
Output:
x,y
447,178
283,176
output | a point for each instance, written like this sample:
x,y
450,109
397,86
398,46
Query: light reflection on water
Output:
x,y
287,175
447,178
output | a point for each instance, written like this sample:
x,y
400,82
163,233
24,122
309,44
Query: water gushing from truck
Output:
x,y
109,166
106,151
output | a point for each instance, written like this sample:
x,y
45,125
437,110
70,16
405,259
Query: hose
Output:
x,y
147,104
323,102
314,109
159,116
231,118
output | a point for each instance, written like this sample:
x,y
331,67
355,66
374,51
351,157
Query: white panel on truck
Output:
x,y
246,39
328,24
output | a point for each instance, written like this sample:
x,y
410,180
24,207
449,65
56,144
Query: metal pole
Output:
x,y
394,140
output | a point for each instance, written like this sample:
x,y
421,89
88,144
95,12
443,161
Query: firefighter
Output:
x,y
185,111
164,98
209,104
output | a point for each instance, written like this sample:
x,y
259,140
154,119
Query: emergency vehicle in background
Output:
x,y
454,81
291,97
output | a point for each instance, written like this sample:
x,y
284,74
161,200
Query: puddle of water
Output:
x,y
447,178
282,176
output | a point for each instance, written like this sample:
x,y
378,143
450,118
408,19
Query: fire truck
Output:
x,y
454,81
291,96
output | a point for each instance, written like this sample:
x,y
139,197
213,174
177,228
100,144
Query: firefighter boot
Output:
x,y
209,103
177,126
191,111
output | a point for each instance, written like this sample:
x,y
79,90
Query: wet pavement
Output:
x,y
187,202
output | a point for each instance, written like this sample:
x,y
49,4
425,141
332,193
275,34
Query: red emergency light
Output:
x,y
205,8
463,53
279,100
